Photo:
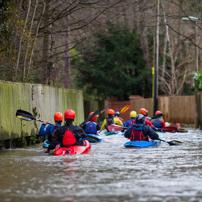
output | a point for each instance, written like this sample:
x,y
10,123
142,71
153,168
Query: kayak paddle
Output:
x,y
124,109
182,130
173,142
103,110
115,128
89,118
26,116
156,116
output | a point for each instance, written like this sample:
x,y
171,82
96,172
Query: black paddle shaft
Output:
x,y
103,109
173,142
89,118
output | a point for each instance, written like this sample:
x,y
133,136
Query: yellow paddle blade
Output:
x,y
125,109
24,118
175,142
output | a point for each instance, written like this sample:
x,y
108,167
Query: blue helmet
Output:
x,y
139,118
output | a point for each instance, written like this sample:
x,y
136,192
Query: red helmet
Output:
x,y
111,111
143,111
94,118
158,112
69,114
58,116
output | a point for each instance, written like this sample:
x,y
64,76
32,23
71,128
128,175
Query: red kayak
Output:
x,y
77,149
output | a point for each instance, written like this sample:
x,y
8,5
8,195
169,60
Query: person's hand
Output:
x,y
47,151
156,129
45,122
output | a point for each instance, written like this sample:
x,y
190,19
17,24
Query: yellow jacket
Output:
x,y
116,121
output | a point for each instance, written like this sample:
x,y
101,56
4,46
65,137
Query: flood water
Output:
x,y
109,173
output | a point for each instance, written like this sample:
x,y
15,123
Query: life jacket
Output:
x,y
52,135
157,123
56,127
110,121
68,138
91,128
128,123
137,134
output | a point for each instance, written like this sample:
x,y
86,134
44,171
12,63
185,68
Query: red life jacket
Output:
x,y
137,135
68,139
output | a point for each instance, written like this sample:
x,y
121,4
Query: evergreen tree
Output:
x,y
113,66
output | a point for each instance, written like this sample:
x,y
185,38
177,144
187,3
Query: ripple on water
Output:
x,y
109,173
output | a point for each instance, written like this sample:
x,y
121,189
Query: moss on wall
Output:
x,y
40,100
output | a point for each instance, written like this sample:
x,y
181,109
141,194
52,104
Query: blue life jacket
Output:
x,y
91,128
157,123
49,130
128,123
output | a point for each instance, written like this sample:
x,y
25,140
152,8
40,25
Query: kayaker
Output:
x,y
111,120
133,114
158,123
91,127
139,131
144,112
49,130
68,134
117,114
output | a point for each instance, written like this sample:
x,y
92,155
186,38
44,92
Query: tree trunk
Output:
x,y
164,56
35,38
20,42
156,58
67,79
46,45
28,43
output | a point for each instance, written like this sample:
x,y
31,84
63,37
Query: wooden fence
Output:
x,y
175,109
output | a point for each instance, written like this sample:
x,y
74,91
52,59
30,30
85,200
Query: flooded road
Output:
x,y
109,173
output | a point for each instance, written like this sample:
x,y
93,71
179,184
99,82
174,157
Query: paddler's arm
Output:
x,y
103,124
97,127
128,132
79,132
43,129
147,130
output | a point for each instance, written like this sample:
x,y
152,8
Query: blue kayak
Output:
x,y
93,138
142,144
46,143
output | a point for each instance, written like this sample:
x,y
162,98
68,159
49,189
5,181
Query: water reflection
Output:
x,y
109,173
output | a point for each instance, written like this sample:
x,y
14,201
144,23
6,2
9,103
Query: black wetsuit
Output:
x,y
77,131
